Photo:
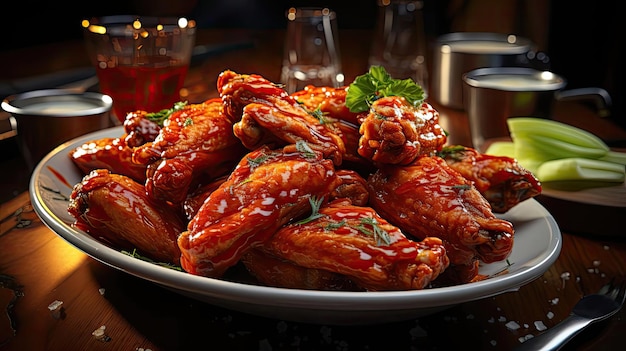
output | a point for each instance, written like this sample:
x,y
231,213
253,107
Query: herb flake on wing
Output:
x,y
161,116
377,83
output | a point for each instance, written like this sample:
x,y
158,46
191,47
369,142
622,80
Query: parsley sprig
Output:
x,y
159,117
377,83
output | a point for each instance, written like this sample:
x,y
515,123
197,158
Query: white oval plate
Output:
x,y
537,246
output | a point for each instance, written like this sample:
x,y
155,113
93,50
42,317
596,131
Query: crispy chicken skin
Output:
x,y
195,141
139,129
264,114
395,132
267,189
273,271
428,198
355,241
330,101
353,187
117,209
501,180
108,153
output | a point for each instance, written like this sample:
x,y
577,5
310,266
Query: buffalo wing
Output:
x,y
428,198
196,140
116,209
501,180
396,132
267,189
355,241
265,114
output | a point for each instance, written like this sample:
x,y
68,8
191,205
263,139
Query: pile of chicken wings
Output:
x,y
300,191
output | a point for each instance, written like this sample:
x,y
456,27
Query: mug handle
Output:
x,y
598,96
6,133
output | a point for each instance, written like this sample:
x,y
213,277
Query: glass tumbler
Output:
x,y
311,55
399,43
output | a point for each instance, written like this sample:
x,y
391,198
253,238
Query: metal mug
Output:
x,y
458,53
43,119
492,95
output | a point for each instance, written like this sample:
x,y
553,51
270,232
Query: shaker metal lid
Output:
x,y
57,103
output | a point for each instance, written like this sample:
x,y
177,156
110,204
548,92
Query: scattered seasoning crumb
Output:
x,y
502,319
493,343
525,325
417,332
525,337
101,291
606,247
550,315
596,263
512,325
540,326
56,309
491,320
554,301
565,276
99,334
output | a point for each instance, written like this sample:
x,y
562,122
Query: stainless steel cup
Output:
x,y
44,119
458,53
492,95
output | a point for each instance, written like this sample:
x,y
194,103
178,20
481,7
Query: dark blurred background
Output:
x,y
582,38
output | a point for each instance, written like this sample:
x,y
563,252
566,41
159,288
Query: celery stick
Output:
x,y
614,156
501,148
555,130
562,149
580,169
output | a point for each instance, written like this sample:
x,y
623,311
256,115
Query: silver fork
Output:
x,y
590,309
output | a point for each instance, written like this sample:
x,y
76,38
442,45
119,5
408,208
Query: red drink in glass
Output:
x,y
150,86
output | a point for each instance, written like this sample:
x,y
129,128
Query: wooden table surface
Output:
x,y
38,267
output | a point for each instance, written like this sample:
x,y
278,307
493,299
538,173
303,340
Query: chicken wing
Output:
x,y
108,153
266,115
353,187
273,271
330,101
395,132
195,140
428,198
501,180
116,209
139,129
267,189
355,241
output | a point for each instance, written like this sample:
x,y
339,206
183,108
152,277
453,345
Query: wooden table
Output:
x,y
37,267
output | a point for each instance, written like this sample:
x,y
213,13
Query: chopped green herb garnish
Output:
x,y
304,148
257,161
451,151
318,114
335,225
462,187
315,208
161,116
188,122
380,235
378,83
136,255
